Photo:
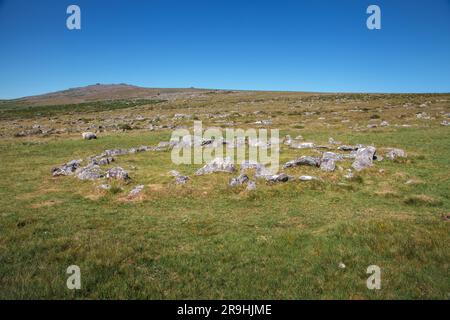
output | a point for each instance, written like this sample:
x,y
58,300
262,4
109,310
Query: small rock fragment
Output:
x,y
89,135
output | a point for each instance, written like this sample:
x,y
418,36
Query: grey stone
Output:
x,y
90,172
364,158
102,161
117,173
180,179
347,148
287,140
328,164
395,153
302,145
136,191
308,178
240,180
89,135
217,165
66,169
303,161
282,177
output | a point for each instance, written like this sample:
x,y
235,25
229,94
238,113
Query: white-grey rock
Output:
x,y
240,180
90,172
303,161
302,145
117,173
217,165
328,164
66,169
89,135
395,153
136,191
364,158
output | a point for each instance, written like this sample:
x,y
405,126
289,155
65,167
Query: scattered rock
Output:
x,y
395,153
445,123
282,177
136,191
303,161
89,135
348,148
90,172
243,178
308,178
250,164
174,173
217,165
102,161
364,158
341,265
287,140
66,169
384,124
328,164
333,156
180,179
117,173
104,186
302,145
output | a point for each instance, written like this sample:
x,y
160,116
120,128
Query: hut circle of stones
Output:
x,y
207,147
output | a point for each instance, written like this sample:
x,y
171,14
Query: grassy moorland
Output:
x,y
207,240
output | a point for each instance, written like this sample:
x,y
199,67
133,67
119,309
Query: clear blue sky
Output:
x,y
247,44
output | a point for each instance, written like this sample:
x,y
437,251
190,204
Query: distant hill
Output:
x,y
100,92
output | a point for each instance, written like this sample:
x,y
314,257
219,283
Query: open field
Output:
x,y
205,239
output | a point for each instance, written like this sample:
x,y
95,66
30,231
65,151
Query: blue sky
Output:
x,y
247,44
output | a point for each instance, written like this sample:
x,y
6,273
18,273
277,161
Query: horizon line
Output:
x,y
230,89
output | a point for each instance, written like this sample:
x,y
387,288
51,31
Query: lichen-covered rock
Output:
x,y
333,156
395,153
89,135
328,164
217,165
364,158
243,178
66,169
117,173
303,161
101,161
90,172
282,177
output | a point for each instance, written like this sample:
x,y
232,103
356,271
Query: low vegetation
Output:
x,y
205,239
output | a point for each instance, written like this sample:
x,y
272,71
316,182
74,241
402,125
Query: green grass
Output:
x,y
11,110
206,240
